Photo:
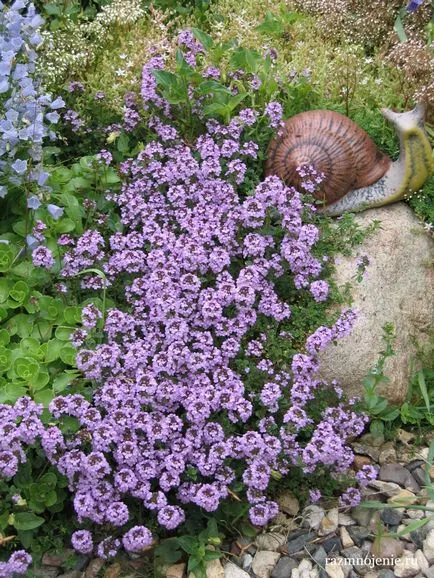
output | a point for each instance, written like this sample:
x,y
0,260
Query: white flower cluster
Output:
x,y
74,46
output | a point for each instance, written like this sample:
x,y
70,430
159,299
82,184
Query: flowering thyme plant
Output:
x,y
194,401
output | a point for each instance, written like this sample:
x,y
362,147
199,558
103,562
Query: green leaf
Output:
x,y
4,289
4,337
53,350
271,25
377,428
166,79
26,368
72,315
5,359
63,333
45,396
123,143
4,521
6,257
19,291
188,543
68,353
27,521
399,29
423,389
204,38
415,525
40,381
62,381
30,346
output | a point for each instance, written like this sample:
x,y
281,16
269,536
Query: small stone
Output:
x,y
312,516
314,573
414,515
332,545
372,440
234,571
414,464
264,562
387,454
346,520
386,574
365,450
270,541
71,574
407,565
429,512
386,548
175,571
346,539
387,488
428,546
431,473
419,475
94,567
358,534
282,569
362,515
295,573
360,461
114,571
320,557
371,575
334,570
49,559
298,543
214,569
422,561
247,561
403,498
288,503
305,565
392,516
329,523
399,475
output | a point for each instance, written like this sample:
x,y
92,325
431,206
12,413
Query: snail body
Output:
x,y
357,175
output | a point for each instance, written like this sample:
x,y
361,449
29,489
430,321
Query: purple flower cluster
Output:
x,y
26,114
17,565
173,423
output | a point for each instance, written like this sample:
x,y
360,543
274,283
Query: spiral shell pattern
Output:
x,y
334,145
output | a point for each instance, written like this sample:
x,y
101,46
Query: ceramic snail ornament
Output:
x,y
357,175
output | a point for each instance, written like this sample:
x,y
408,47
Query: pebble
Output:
x,y
428,546
419,475
360,461
175,571
282,569
387,488
313,516
329,523
304,565
346,539
298,543
94,567
71,574
358,534
332,545
385,547
387,454
234,571
295,573
346,520
270,541
403,498
422,561
247,561
399,475
372,440
366,450
114,571
46,572
430,506
392,516
320,556
335,570
288,503
264,563
414,515
362,515
407,565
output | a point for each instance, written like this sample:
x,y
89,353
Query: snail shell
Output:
x,y
334,145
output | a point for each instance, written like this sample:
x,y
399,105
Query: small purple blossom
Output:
x,y
82,541
42,257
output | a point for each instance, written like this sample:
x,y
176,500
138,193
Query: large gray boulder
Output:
x,y
398,288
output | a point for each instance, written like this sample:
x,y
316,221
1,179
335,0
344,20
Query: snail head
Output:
x,y
404,121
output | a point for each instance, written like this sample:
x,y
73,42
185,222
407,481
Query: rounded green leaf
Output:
x,y
19,291
4,289
40,381
4,337
45,396
26,368
72,315
63,333
53,350
68,354
5,359
29,346
6,257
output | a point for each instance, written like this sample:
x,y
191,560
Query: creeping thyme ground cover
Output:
x,y
162,304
